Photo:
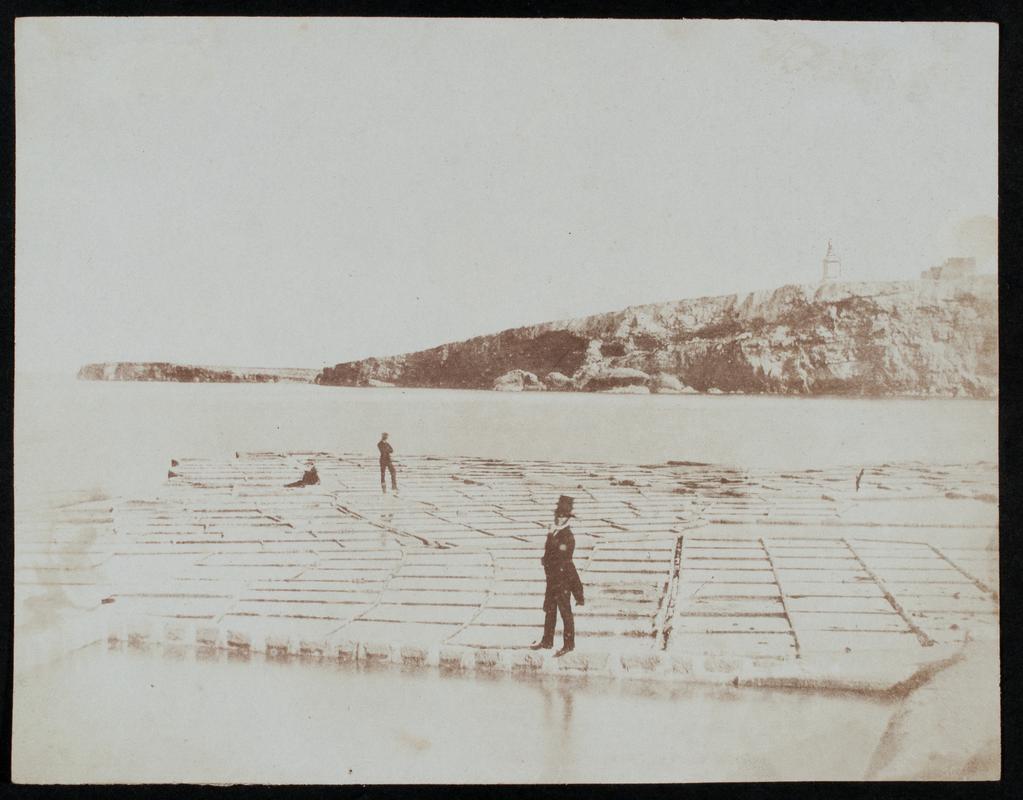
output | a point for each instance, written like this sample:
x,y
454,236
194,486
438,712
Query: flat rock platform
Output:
x,y
861,578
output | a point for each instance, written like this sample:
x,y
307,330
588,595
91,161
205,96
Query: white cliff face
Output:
x,y
889,338
913,337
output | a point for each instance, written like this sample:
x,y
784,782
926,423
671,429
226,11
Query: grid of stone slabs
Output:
x,y
227,553
787,596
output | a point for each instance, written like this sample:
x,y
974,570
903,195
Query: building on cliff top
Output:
x,y
952,269
831,266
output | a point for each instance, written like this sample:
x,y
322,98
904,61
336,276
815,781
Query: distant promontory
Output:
x,y
184,373
921,337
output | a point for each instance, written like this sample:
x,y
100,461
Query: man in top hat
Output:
x,y
562,579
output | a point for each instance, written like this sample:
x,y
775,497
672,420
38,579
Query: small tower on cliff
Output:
x,y
831,266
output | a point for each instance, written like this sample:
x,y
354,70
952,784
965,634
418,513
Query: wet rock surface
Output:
x,y
852,577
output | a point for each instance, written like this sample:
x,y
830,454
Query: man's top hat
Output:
x,y
566,502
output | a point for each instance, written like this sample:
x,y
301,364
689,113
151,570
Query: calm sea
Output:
x,y
119,438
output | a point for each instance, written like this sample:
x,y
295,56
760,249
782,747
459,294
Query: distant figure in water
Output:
x,y
385,449
562,579
309,478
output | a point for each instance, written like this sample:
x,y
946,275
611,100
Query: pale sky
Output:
x,y
274,192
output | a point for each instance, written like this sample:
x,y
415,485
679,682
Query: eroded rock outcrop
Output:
x,y
663,383
602,378
556,380
518,380
937,338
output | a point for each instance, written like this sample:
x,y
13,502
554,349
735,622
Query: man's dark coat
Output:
x,y
559,569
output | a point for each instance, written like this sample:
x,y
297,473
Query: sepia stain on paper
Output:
x,y
416,742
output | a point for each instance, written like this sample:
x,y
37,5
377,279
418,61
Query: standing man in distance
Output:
x,y
562,579
385,464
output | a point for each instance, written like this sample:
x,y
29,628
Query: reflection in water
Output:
x,y
240,655
175,652
203,715
557,730
566,708
208,654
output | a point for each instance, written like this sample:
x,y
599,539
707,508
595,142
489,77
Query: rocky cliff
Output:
x,y
162,371
925,337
